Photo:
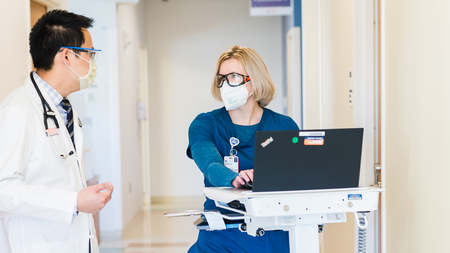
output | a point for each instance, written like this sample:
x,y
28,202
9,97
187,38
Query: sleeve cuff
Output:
x,y
75,212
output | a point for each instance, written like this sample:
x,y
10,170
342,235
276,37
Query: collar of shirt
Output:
x,y
53,94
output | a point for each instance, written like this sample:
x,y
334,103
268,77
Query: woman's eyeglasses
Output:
x,y
233,79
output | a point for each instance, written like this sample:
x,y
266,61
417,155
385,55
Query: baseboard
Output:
x,y
111,235
171,200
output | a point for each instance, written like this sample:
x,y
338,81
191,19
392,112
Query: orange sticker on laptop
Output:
x,y
314,141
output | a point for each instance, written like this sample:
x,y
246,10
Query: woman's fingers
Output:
x,y
238,182
243,177
250,174
247,175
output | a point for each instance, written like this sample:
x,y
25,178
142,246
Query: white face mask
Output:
x,y
234,97
87,80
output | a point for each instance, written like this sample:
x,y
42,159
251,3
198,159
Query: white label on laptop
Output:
x,y
322,133
232,163
267,142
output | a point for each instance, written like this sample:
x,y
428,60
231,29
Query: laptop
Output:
x,y
307,159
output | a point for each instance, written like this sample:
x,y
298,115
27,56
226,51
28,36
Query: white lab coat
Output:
x,y
38,189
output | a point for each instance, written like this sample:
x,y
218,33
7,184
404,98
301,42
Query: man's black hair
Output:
x,y
53,30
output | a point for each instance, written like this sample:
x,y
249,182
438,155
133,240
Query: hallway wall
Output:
x,y
14,46
417,123
337,24
131,35
99,109
185,39
109,108
337,59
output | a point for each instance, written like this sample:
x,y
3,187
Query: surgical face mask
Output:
x,y
87,80
234,97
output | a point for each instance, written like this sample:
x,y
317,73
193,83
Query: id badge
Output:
x,y
232,163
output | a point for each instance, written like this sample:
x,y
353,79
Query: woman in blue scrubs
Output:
x,y
242,82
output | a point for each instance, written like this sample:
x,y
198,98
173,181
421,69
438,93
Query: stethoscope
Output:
x,y
50,114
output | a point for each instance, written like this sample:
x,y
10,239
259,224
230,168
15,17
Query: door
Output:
x,y
36,11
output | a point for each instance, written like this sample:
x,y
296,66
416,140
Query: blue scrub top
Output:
x,y
216,127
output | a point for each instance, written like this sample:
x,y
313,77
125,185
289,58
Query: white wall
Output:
x,y
337,39
337,59
15,28
336,22
110,108
14,45
185,39
98,109
131,34
311,63
417,125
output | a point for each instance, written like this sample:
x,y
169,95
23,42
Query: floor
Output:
x,y
152,232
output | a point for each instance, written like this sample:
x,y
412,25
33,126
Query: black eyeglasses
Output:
x,y
233,79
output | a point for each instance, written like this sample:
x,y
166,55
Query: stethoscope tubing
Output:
x,y
49,113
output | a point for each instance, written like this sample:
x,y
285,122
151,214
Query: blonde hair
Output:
x,y
262,84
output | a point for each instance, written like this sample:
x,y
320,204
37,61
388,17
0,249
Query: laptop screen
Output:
x,y
307,159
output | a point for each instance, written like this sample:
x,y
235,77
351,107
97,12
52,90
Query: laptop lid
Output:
x,y
307,159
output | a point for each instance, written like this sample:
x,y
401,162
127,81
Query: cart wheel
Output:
x,y
320,228
243,227
260,232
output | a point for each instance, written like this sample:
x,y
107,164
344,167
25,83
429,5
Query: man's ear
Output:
x,y
64,56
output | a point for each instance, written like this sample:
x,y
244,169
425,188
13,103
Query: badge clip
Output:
x,y
233,142
232,161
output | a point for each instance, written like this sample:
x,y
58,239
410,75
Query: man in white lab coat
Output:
x,y
45,205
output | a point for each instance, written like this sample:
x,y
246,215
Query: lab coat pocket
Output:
x,y
69,246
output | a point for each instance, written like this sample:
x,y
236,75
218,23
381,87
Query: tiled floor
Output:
x,y
152,232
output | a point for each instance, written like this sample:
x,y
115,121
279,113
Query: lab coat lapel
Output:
x,y
78,141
